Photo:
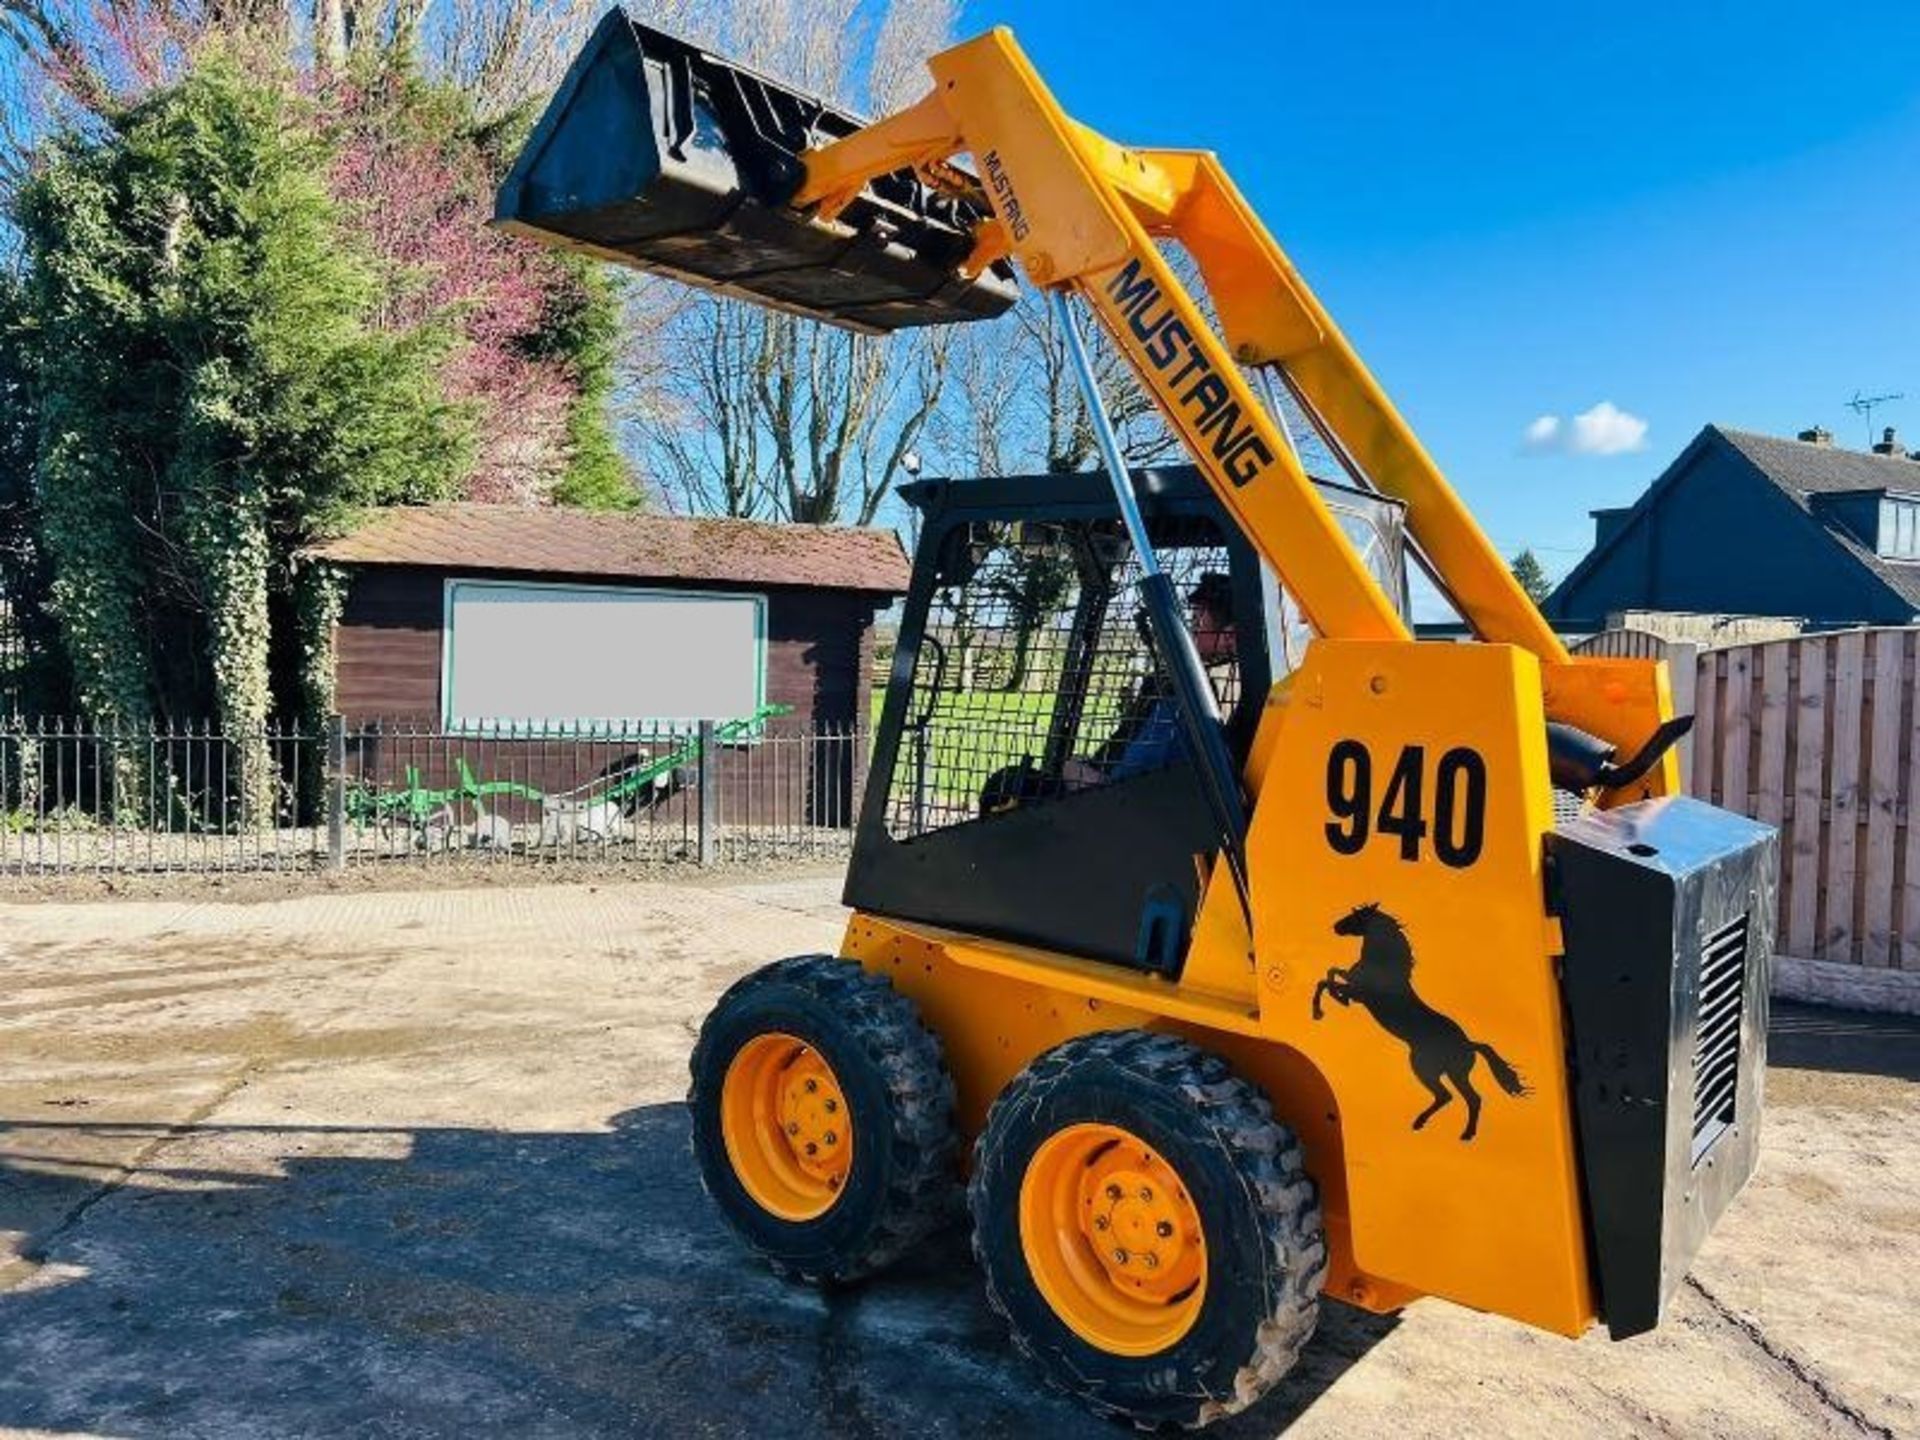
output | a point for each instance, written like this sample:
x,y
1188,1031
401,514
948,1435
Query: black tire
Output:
x,y
1259,1210
903,1181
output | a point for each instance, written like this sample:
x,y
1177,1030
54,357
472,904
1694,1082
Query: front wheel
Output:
x,y
1147,1230
823,1118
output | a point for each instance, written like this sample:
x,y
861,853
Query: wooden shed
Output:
x,y
529,642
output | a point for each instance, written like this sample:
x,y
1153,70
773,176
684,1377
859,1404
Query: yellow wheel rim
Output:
x,y
1113,1239
784,1119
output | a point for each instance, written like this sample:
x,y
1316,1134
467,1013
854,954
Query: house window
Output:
x,y
1900,530
588,657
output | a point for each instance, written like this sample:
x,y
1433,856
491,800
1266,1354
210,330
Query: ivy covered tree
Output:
x,y
212,391
248,303
32,673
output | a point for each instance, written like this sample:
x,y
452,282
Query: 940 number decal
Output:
x,y
1444,808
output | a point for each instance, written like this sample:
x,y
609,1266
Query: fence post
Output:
x,y
337,791
860,737
709,783
1683,673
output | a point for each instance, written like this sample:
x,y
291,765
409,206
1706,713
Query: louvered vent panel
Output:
x,y
1716,1041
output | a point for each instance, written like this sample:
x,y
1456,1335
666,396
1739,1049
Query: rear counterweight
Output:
x,y
1668,911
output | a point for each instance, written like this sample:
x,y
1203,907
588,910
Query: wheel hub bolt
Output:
x,y
812,1085
1100,1222
812,1149
1113,1192
1152,1260
1164,1229
793,1127
1146,1194
832,1139
832,1105
1119,1257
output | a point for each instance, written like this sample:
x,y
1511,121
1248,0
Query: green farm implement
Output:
x,y
435,815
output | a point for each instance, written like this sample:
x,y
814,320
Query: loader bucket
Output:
x,y
656,154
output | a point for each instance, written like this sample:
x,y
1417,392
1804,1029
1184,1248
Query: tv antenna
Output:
x,y
1862,405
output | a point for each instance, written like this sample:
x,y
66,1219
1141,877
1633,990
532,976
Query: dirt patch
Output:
x,y
353,1160
454,872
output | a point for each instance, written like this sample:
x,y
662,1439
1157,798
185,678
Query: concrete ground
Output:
x,y
416,1164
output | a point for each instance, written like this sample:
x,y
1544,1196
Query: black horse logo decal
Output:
x,y
1382,982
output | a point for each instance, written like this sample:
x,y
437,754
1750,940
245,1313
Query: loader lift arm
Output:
x,y
1081,213
736,183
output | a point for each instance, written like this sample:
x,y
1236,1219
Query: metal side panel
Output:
x,y
1668,911
656,154
1083,874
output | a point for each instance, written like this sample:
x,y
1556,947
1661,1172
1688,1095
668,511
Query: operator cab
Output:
x,y
1029,740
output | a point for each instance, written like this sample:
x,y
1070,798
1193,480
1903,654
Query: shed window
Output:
x,y
1900,530
587,657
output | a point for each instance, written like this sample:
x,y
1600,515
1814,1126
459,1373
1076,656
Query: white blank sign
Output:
x,y
587,656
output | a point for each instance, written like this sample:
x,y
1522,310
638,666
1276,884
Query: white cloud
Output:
x,y
1543,433
1606,429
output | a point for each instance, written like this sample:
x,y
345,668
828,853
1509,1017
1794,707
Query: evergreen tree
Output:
x,y
1532,576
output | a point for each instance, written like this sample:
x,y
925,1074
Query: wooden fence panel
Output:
x,y
1683,674
1706,728
1625,645
1844,761
1879,876
1907,955
1802,849
1770,786
1818,735
1776,715
1736,724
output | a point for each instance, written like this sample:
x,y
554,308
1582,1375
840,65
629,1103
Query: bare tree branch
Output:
x,y
832,414
910,31
503,53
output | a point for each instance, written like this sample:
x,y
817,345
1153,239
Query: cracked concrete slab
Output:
x,y
415,1164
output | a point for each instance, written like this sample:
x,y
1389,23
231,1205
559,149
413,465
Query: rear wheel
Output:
x,y
1148,1231
823,1118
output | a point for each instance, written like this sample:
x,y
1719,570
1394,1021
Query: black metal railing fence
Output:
x,y
77,797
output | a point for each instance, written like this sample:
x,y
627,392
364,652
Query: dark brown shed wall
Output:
x,y
819,660
387,649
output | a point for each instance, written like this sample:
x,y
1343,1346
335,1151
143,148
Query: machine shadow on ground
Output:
x,y
310,1280
1843,1042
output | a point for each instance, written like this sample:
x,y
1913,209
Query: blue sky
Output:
x,y
1693,212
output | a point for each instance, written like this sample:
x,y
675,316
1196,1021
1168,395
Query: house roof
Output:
x,y
1798,470
1802,470
1822,469
625,545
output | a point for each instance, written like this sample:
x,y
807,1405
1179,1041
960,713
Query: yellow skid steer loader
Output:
x,y
1233,946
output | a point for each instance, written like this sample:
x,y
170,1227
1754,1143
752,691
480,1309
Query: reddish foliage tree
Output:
x,y
415,184
418,194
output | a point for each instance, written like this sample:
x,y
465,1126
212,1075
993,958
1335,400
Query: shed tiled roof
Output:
x,y
630,546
